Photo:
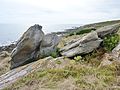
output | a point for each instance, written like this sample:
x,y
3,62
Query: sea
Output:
x,y
9,33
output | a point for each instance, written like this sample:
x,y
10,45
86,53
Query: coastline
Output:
x,y
8,38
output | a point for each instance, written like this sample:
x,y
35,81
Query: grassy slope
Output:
x,y
76,76
101,24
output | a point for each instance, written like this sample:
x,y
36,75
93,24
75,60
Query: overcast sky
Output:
x,y
58,11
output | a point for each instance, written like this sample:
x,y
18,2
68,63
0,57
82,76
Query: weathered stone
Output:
x,y
116,52
106,30
27,46
48,45
83,46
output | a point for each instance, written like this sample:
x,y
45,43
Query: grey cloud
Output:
x,y
96,10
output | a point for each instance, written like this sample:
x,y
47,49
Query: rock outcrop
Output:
x,y
48,45
27,46
83,46
33,45
106,30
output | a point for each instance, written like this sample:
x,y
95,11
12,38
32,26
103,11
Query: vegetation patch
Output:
x,y
111,41
77,58
58,61
81,31
55,54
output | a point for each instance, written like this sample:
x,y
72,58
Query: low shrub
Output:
x,y
77,58
55,54
110,41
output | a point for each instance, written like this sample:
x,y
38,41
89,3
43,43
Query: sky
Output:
x,y
58,11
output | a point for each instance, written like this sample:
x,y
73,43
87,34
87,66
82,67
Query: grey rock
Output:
x,y
32,46
83,46
116,52
106,30
90,36
27,46
48,45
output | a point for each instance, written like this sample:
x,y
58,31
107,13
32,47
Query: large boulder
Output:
x,y
48,45
27,46
83,46
106,30
33,45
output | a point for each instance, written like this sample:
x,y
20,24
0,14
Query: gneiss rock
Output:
x,y
106,30
48,45
83,46
27,46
